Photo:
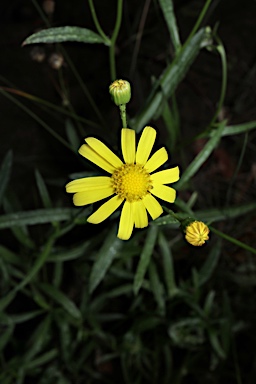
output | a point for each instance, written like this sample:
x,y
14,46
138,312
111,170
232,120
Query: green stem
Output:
x,y
82,85
122,108
39,263
220,49
233,240
36,118
113,40
44,103
96,22
199,20
72,67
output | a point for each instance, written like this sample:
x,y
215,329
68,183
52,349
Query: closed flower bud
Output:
x,y
120,91
196,233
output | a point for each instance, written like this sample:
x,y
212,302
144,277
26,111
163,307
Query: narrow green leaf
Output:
x,y
22,236
210,264
170,79
63,34
40,261
5,336
207,215
61,299
11,206
43,359
43,190
72,136
5,172
145,258
6,300
73,253
201,157
65,335
39,216
156,287
167,265
215,343
39,339
237,129
225,213
209,303
167,220
9,256
21,318
107,253
170,19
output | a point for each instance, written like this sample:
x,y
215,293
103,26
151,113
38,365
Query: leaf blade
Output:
x,y
201,157
145,258
64,34
105,257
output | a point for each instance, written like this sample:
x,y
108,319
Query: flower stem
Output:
x,y
122,108
113,40
199,20
233,240
96,22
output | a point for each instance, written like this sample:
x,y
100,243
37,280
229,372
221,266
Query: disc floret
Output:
x,y
131,182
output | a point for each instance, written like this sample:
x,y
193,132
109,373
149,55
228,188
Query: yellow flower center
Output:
x,y
131,182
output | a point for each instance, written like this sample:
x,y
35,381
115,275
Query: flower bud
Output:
x,y
196,233
120,91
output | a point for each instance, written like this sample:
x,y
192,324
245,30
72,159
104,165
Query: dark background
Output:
x,y
197,95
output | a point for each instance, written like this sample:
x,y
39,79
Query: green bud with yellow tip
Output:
x,y
120,91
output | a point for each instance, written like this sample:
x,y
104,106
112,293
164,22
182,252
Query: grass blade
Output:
x,y
145,258
201,157
170,79
38,216
167,265
105,257
170,19
43,190
61,299
210,264
156,287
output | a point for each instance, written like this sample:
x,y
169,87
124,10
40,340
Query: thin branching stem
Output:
x,y
37,119
233,240
199,20
220,49
96,21
112,61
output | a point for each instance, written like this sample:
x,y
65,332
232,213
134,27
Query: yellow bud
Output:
x,y
120,91
197,233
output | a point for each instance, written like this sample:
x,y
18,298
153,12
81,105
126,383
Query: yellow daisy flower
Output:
x,y
197,233
131,182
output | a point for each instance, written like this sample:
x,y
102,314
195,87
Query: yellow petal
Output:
x,y
164,192
166,177
126,222
156,160
105,210
128,145
87,183
104,151
152,205
140,214
145,145
86,151
91,196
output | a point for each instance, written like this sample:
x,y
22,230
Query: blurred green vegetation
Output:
x,y
77,304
